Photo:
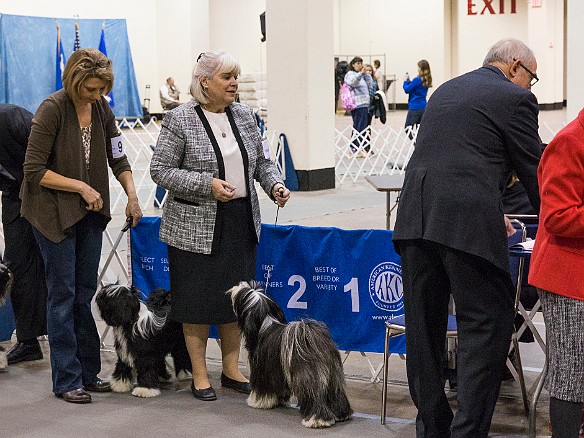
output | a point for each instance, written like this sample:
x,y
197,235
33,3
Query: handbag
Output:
x,y
347,99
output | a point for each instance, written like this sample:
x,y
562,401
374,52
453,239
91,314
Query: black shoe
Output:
x,y
22,352
234,384
207,394
98,386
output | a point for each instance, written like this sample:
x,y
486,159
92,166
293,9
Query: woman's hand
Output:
x,y
91,197
281,194
133,210
222,191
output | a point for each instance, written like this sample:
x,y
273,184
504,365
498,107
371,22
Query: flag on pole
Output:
x,y
77,43
102,49
60,61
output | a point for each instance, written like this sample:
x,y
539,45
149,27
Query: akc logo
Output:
x,y
386,288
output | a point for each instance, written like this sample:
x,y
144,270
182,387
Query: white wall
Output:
x,y
575,67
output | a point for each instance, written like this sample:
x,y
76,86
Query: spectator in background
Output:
x,y
557,270
21,251
378,75
417,89
169,95
340,71
359,81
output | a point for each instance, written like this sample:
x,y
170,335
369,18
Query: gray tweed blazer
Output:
x,y
185,161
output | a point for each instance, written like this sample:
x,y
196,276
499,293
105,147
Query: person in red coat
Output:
x,y
557,270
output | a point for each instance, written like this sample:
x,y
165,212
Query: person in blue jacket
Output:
x,y
417,89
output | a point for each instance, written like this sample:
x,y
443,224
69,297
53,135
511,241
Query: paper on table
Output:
x,y
525,246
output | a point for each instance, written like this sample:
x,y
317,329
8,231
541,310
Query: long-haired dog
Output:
x,y
6,279
299,358
144,335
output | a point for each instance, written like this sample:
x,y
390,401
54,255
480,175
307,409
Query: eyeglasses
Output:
x,y
102,63
200,56
534,78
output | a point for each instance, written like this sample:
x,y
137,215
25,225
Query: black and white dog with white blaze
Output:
x,y
298,359
144,334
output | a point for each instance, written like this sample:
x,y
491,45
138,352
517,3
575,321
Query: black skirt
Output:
x,y
199,282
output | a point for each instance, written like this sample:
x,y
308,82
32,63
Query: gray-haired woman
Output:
x,y
208,155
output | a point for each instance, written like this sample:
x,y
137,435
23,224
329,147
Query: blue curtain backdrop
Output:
x,y
27,59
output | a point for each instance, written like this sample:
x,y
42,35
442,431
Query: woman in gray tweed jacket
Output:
x,y
208,155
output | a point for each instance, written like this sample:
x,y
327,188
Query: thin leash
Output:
x,y
272,246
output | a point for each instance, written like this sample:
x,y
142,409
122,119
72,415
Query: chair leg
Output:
x,y
384,387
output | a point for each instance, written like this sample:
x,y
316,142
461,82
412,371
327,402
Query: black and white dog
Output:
x,y
6,279
299,358
143,337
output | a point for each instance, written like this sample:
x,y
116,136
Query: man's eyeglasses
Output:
x,y
534,78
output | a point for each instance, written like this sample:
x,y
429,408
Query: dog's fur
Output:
x,y
6,279
299,358
144,335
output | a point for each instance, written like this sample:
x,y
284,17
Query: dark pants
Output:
x,y
23,258
71,270
483,295
360,122
414,117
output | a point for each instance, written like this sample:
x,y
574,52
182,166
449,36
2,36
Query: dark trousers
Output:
x,y
71,270
23,258
483,295
360,122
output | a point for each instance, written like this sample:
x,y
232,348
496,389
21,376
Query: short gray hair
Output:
x,y
508,49
207,66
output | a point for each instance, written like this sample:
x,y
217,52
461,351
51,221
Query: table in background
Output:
x,y
388,184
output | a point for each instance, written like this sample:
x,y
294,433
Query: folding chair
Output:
x,y
397,327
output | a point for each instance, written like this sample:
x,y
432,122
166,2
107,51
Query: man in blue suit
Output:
x,y
452,234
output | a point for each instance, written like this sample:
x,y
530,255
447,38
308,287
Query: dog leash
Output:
x,y
281,190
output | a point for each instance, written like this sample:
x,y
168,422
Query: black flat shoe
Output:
x,y
98,386
207,394
234,384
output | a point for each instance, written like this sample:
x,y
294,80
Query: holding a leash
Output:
x,y
65,197
208,155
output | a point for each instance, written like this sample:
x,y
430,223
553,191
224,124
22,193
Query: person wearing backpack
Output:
x,y
359,82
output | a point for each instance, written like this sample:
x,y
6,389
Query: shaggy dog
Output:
x,y
6,278
299,358
143,337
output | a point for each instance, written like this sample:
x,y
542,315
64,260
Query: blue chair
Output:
x,y
397,327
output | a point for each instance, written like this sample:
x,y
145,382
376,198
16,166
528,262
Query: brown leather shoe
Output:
x,y
75,396
98,386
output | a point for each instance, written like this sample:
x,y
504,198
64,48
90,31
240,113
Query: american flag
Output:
x,y
76,44
60,61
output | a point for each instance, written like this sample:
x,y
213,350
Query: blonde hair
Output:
x,y
84,64
208,65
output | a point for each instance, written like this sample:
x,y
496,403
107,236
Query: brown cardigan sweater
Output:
x,y
55,144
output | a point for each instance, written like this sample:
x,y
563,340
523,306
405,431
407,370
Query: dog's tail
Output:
x,y
148,323
305,341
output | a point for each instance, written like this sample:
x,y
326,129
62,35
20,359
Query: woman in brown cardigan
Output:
x,y
65,197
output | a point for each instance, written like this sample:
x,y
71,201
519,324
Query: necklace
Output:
x,y
217,124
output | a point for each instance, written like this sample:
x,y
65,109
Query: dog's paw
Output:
x,y
316,423
345,418
263,402
140,391
121,385
184,375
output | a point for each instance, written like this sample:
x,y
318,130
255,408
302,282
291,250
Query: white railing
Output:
x,y
372,151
